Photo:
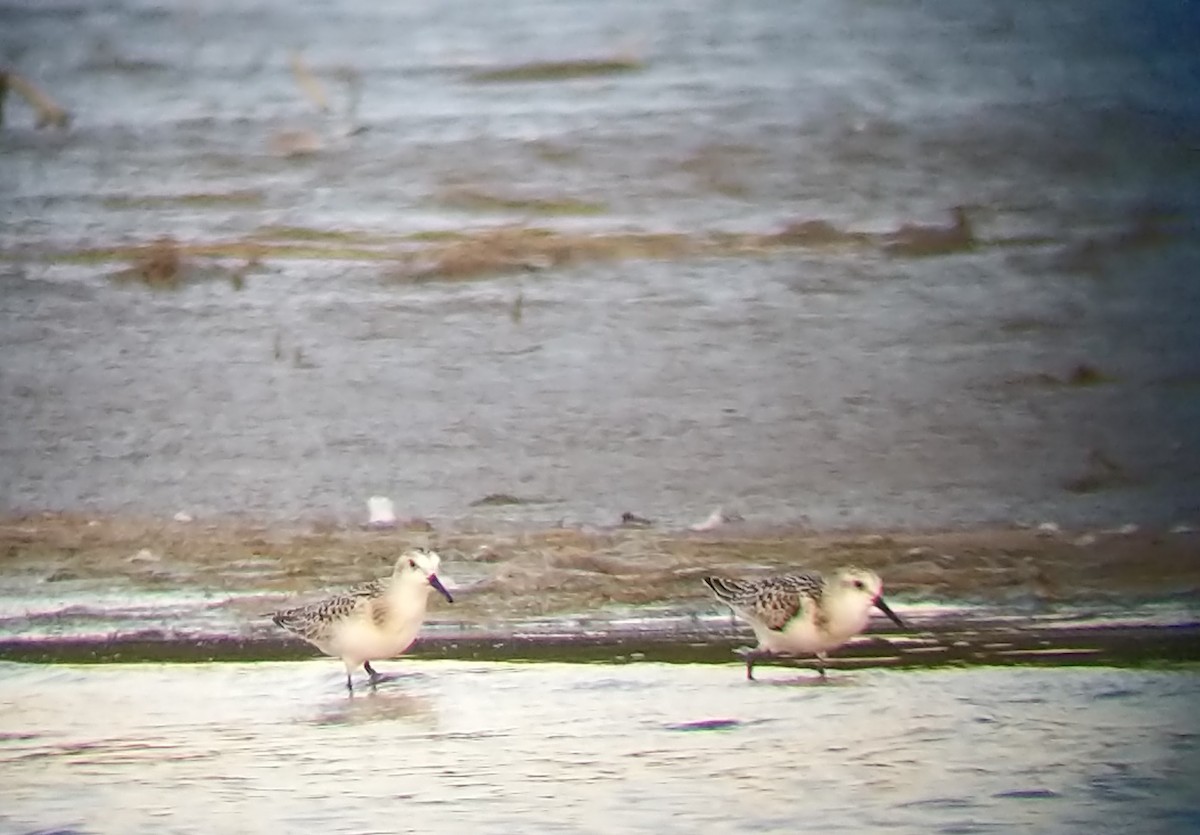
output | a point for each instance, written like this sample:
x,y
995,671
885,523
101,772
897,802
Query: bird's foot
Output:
x,y
751,655
377,677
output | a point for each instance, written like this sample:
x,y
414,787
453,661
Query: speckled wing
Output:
x,y
312,622
773,601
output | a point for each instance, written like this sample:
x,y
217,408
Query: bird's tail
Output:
x,y
725,590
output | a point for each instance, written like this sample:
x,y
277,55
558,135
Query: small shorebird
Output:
x,y
805,613
379,619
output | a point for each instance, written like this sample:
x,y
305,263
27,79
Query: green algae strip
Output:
x,y
308,233
247,197
558,70
1156,647
479,201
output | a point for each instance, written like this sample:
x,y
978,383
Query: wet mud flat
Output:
x,y
552,567
1003,596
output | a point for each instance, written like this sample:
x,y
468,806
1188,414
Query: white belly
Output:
x,y
363,641
803,637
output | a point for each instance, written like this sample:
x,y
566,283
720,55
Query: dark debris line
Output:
x,y
1124,646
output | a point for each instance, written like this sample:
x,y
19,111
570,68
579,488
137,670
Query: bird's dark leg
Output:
x,y
750,655
821,666
371,672
349,684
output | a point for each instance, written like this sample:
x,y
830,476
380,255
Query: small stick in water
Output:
x,y
50,114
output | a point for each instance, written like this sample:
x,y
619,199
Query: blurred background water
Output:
x,y
1050,372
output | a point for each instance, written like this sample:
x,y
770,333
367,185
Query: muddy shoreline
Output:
x,y
522,573
997,596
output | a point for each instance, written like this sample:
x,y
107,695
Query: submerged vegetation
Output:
x,y
484,251
466,253
165,264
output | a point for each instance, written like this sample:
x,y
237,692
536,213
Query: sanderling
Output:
x,y
803,614
379,619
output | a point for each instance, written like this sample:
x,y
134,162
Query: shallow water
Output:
x,y
844,387
453,746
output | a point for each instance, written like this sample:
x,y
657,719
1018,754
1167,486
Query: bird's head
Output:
x,y
421,564
865,586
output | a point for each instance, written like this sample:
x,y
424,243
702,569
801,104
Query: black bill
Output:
x,y
883,607
437,584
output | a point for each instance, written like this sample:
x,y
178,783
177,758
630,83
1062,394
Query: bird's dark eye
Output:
x,y
412,563
860,585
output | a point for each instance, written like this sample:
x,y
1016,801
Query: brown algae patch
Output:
x,y
155,258
1082,375
1088,375
559,70
503,499
468,253
449,254
509,248
815,233
159,265
495,250
512,248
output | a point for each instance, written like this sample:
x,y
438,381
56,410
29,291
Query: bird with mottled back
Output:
x,y
803,613
774,600
315,622
378,619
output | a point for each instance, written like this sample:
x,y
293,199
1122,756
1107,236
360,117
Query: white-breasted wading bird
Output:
x,y
379,619
803,613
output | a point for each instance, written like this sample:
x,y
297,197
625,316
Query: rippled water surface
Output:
x,y
454,747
